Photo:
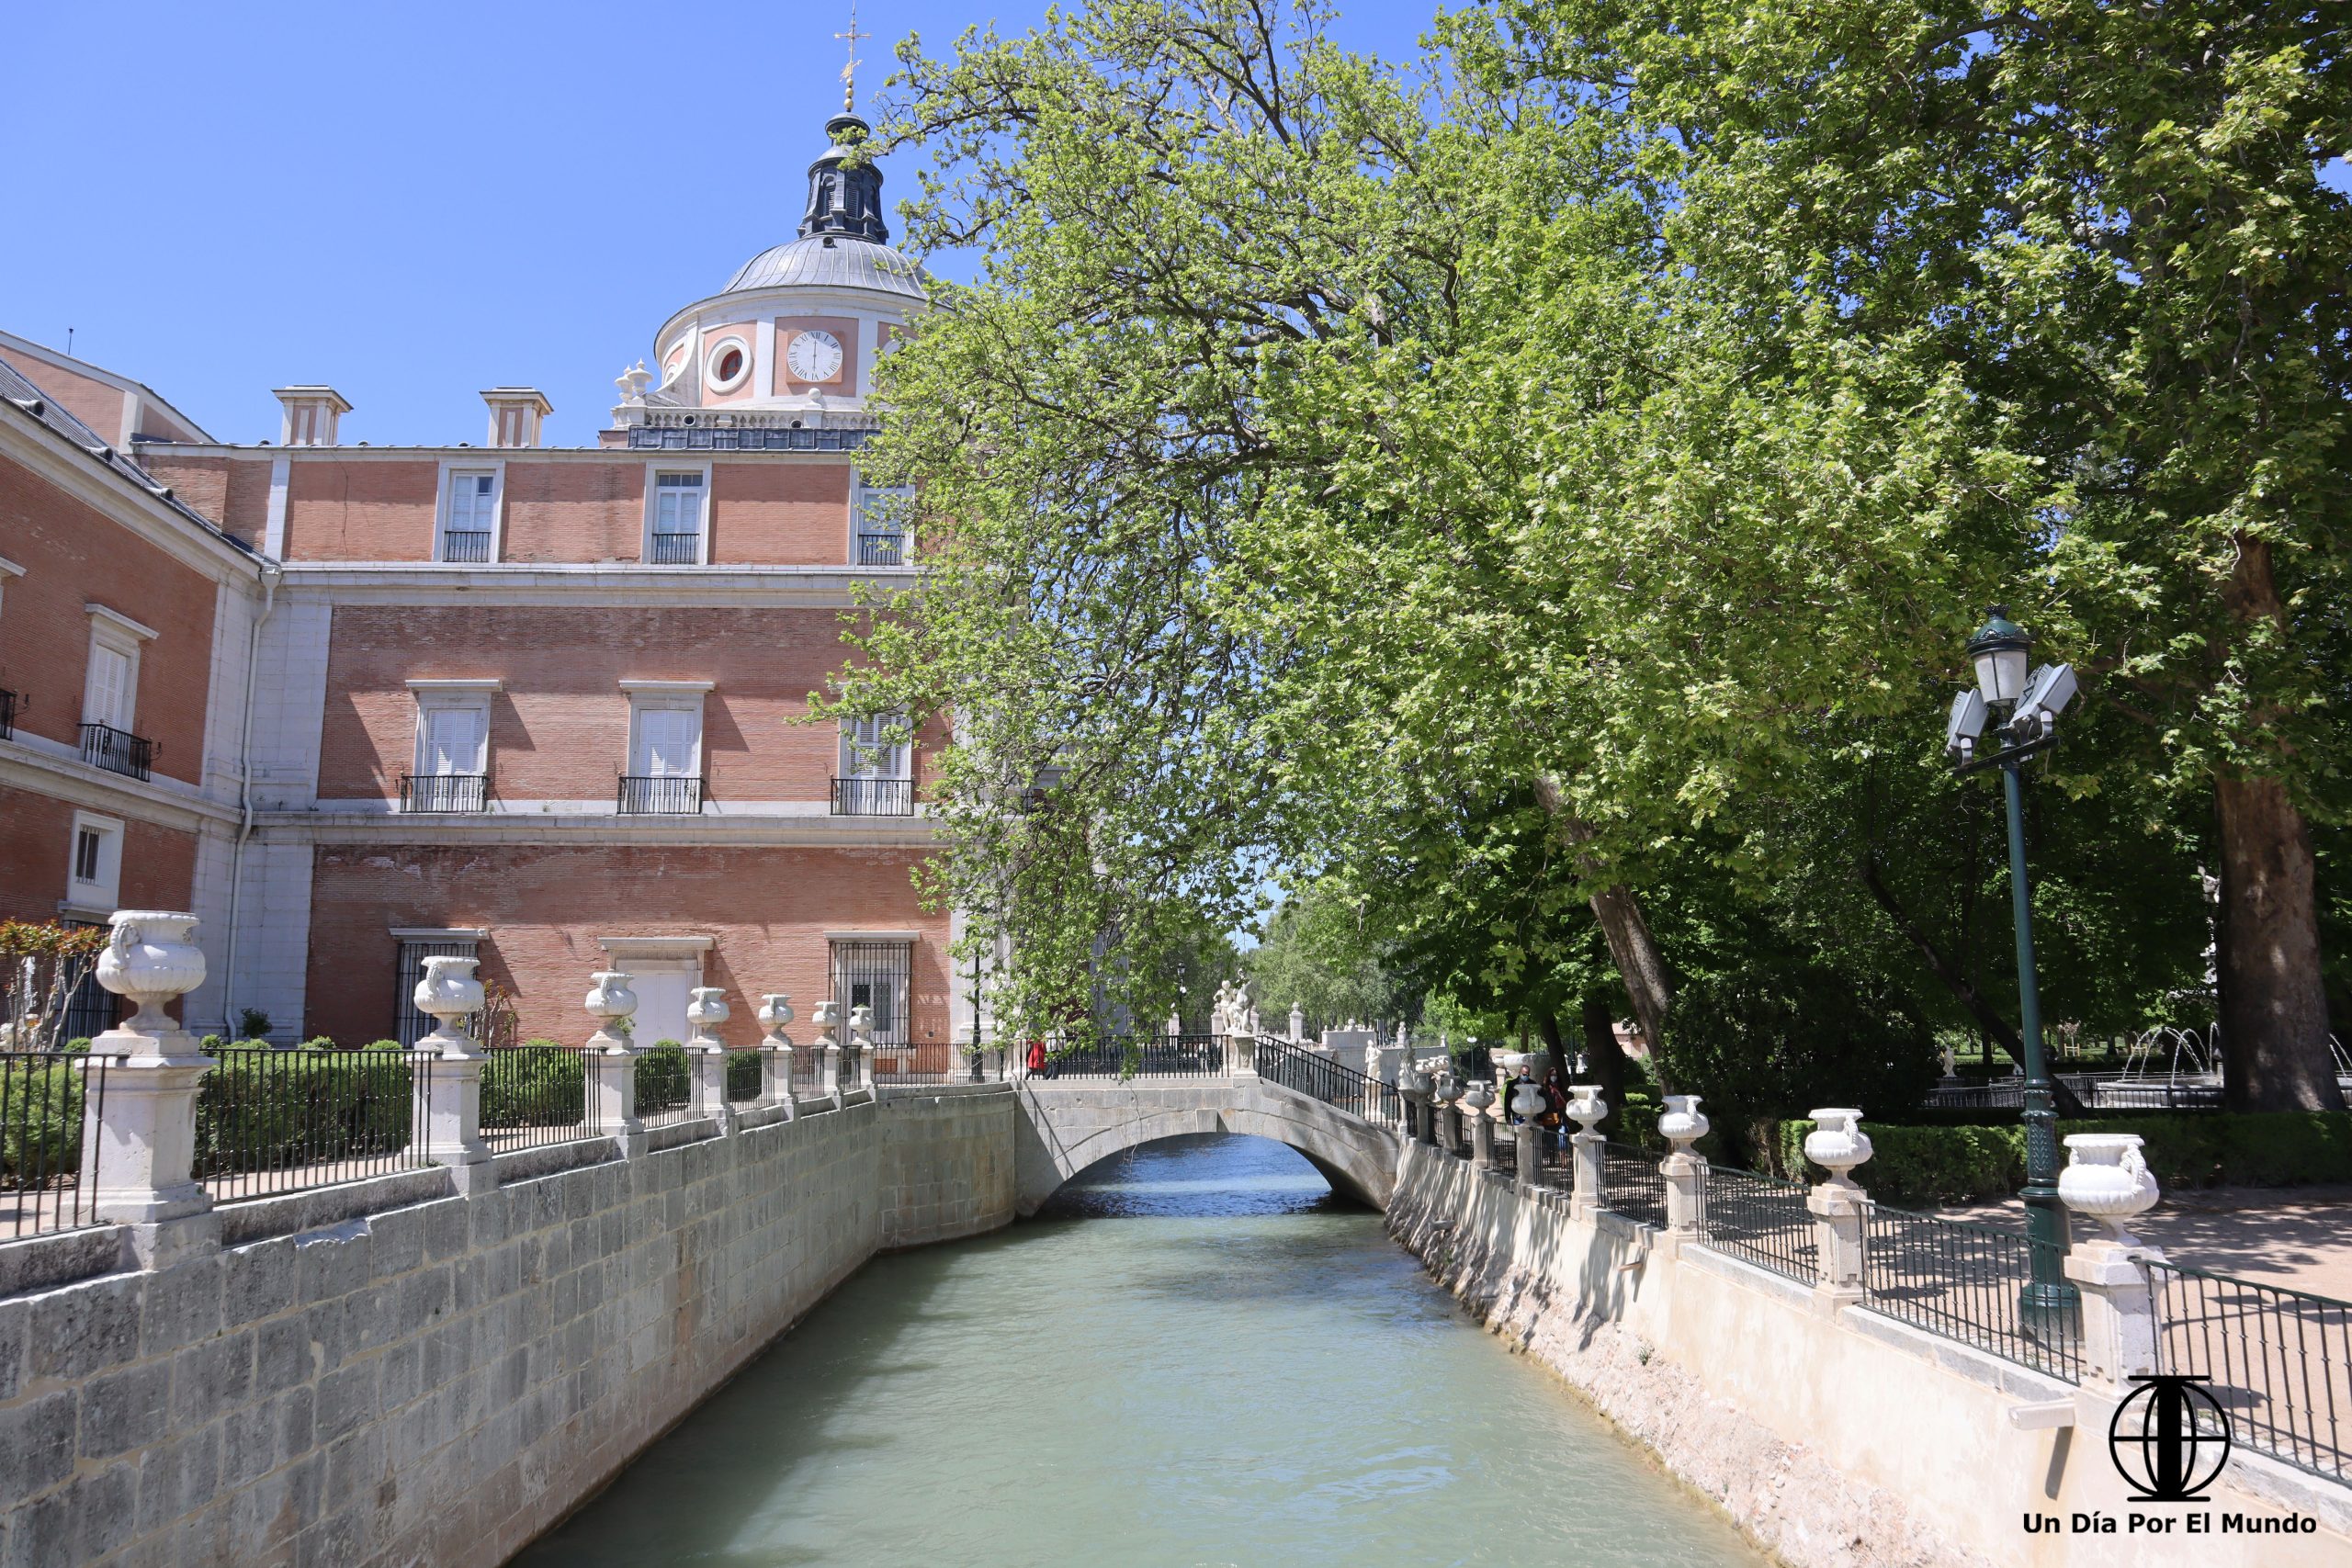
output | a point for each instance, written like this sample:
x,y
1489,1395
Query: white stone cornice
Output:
x,y
54,456
67,777
795,829
120,622
486,684
601,585
668,688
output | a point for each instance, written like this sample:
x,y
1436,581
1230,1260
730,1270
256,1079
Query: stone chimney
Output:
x,y
312,413
514,415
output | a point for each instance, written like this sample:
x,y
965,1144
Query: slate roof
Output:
x,y
834,260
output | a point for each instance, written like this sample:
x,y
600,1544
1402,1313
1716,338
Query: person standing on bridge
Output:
x,y
1040,1063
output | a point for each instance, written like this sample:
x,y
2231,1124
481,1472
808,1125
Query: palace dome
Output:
x,y
831,261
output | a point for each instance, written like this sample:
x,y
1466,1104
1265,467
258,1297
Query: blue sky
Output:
x,y
412,203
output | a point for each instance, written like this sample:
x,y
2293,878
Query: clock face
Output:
x,y
814,357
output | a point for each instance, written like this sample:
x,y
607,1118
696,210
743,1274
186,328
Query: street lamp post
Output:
x,y
2027,709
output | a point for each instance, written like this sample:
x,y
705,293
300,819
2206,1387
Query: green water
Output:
x,y
1198,1357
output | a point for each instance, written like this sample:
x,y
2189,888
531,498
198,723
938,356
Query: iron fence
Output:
x,y
466,547
644,439
2278,1361
1763,1220
874,797
807,1072
657,794
663,1082
533,1094
1320,1077
445,792
1631,1185
1968,1283
117,751
47,1097
881,549
677,549
270,1121
1141,1055
743,1076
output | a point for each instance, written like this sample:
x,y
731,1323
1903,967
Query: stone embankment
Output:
x,y
1836,1437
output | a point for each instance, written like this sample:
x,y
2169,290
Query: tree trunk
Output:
x,y
2274,1001
1994,1026
1633,950
1604,1059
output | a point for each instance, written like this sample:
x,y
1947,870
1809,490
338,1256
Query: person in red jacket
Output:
x,y
1040,1063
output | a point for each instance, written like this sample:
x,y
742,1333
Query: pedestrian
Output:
x,y
1041,1064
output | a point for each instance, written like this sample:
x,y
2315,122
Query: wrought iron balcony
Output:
x,y
874,797
445,792
881,549
8,714
467,546
117,751
643,795
676,549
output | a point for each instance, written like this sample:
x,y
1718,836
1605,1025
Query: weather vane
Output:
x,y
849,71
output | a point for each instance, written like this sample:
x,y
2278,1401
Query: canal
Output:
x,y
1197,1356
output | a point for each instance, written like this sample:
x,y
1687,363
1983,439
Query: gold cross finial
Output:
x,y
849,71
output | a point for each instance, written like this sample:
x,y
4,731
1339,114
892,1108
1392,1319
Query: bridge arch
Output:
x,y
1063,1129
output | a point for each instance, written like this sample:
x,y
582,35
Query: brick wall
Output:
x,y
559,727
780,514
74,555
767,908
575,511
360,509
36,849
233,492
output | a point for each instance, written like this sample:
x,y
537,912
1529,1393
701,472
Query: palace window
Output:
x,y
110,695
664,772
469,516
877,777
677,523
450,771
881,516
94,879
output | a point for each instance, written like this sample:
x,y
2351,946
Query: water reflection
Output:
x,y
1241,1369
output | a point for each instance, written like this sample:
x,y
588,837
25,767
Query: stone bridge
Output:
x,y
1067,1125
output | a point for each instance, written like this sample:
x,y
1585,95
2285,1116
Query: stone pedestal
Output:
x,y
2118,1302
1242,1055
1531,1155
1836,1208
706,1059
611,1074
448,1066
1686,1194
1585,1168
139,1100
1481,1140
775,1052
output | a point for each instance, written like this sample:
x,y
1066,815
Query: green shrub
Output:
x,y
385,1045
41,1125
532,1088
318,1043
264,1110
662,1077
2185,1149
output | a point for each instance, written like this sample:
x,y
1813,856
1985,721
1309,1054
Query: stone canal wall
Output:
x,y
1836,1437
439,1381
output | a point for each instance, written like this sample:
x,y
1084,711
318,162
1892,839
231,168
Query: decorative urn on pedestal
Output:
x,y
1682,1123
1586,1107
1837,1142
706,1010
447,993
2107,1179
150,957
1477,1097
775,1012
1527,1100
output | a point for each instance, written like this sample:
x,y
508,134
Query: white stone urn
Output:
x,y
775,1012
447,992
1477,1097
707,1008
1681,1124
1511,1064
2108,1179
1586,1107
611,1002
1445,1087
1527,1099
1837,1142
827,1017
151,957
861,1024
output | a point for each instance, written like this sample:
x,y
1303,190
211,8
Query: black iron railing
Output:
x,y
2279,1362
676,549
46,1100
807,1071
874,797
270,1121
642,439
665,1082
1144,1055
1319,1077
743,1076
645,795
1763,1220
881,549
1631,1185
1966,1282
533,1094
8,701
117,751
445,792
466,547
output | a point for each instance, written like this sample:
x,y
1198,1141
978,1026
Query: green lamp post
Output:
x,y
2024,710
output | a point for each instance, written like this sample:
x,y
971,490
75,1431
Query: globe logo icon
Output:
x,y
2170,1439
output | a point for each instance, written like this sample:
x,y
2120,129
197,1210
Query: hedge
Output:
x,y
1948,1165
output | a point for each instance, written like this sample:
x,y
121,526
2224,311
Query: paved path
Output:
x,y
2300,1236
